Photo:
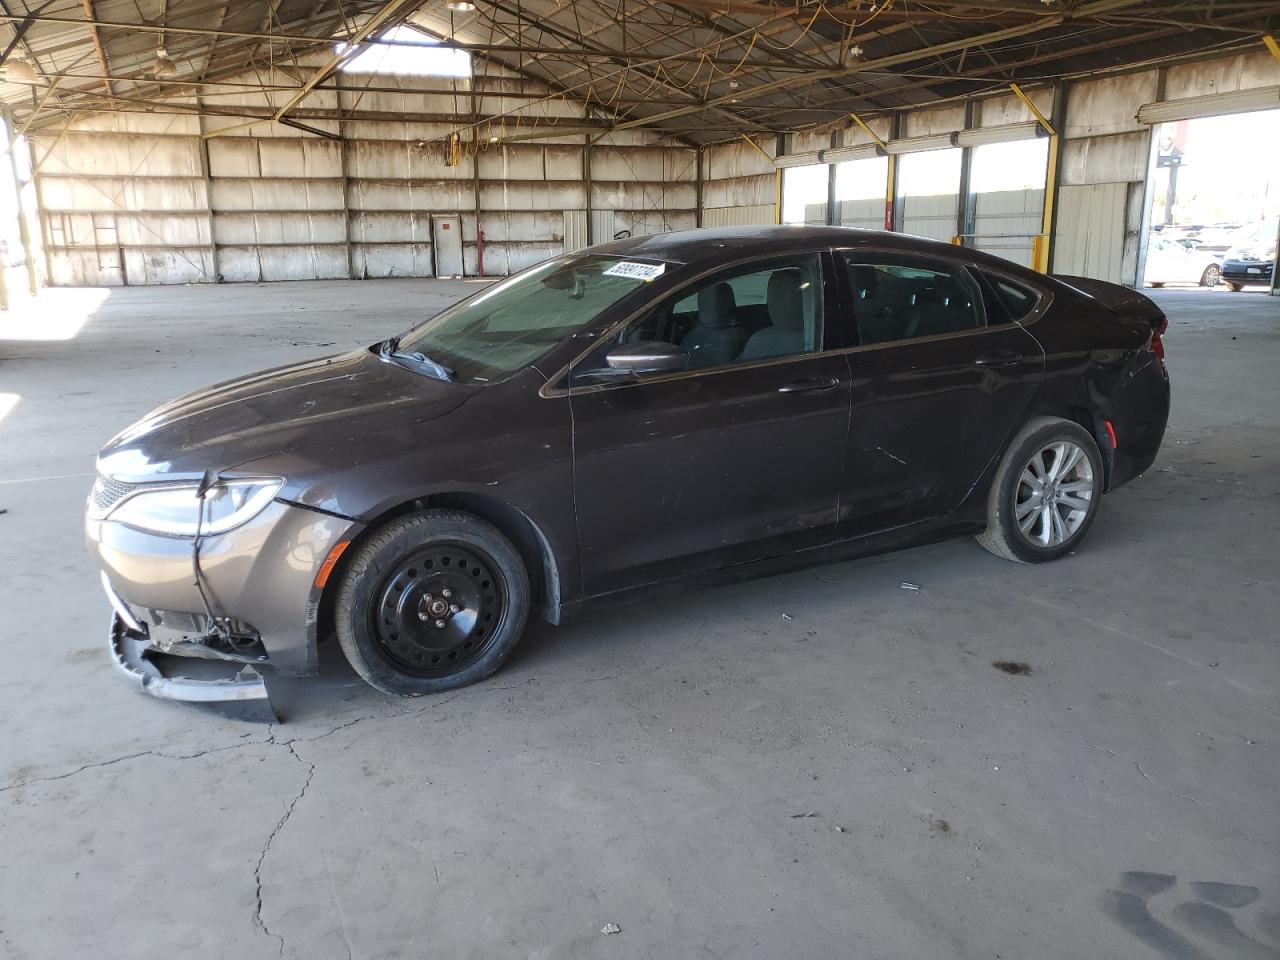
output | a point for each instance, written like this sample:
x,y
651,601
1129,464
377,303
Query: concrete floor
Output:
x,y
851,780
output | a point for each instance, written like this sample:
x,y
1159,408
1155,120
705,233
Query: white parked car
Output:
x,y
1169,261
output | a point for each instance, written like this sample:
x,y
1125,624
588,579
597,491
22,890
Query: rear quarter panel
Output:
x,y
1098,365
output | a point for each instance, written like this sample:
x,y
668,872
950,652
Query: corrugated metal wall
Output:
x,y
1091,231
151,198
139,198
1005,221
739,184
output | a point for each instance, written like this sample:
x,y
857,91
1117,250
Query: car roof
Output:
x,y
721,243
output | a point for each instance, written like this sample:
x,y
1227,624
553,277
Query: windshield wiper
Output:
x,y
389,349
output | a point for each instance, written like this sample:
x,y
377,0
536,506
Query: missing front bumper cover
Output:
x,y
134,657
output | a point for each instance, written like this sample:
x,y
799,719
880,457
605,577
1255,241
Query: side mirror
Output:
x,y
647,357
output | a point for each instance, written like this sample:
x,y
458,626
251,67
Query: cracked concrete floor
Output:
x,y
647,767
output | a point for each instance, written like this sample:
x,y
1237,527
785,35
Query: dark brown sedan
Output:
x,y
641,414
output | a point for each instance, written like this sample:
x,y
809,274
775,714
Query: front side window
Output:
x,y
514,322
895,299
751,313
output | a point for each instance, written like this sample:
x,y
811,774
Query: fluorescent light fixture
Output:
x,y
460,6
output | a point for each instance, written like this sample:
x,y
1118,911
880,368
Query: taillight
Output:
x,y
1157,338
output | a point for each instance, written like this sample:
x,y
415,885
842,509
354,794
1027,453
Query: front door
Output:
x,y
446,244
736,458
940,381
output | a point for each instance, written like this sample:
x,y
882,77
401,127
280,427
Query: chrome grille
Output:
x,y
107,492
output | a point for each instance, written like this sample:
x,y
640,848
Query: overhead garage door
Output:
x,y
1090,235
929,188
860,189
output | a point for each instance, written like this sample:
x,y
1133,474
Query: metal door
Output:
x,y
1090,231
446,244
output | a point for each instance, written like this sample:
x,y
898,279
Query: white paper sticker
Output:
x,y
636,271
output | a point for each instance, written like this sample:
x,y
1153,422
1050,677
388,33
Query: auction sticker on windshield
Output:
x,y
636,271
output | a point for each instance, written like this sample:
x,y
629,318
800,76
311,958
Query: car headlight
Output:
x,y
177,510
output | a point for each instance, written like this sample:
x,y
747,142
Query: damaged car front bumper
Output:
x,y
262,586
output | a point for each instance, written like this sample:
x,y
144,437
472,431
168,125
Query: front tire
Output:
x,y
1211,277
1045,493
1235,287
430,602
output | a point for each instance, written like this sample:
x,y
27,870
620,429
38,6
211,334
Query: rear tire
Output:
x,y
430,602
1211,277
1045,493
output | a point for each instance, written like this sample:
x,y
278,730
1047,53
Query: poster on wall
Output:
x,y
1172,145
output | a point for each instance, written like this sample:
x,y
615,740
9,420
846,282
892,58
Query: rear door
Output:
x,y
734,459
943,375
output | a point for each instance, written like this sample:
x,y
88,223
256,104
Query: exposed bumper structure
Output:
x,y
130,653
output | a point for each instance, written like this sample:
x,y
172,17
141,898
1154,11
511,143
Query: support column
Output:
x,y
697,213
24,234
1052,181
966,214
833,215
207,178
892,208
345,171
1148,188
779,149
475,187
586,179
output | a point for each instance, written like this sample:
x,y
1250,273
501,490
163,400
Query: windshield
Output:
x,y
1248,237
514,322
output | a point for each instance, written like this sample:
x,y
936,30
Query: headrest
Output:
x,y
786,298
717,306
864,281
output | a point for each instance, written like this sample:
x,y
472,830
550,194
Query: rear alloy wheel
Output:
x,y
432,601
1211,277
1045,493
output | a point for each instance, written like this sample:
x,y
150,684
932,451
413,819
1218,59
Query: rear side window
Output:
x,y
900,300
1009,302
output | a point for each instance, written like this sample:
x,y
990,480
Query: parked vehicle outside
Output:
x,y
614,423
1252,257
1171,261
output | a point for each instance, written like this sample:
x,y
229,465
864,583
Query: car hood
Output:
x,y
274,411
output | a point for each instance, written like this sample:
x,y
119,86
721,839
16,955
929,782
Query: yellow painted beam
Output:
x,y
763,152
1035,111
1273,46
868,131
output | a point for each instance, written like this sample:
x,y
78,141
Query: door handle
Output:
x,y
999,358
814,385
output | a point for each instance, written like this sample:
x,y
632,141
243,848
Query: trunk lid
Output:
x,y
1122,300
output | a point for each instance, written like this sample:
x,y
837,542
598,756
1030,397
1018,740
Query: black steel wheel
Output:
x,y
432,601
438,610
